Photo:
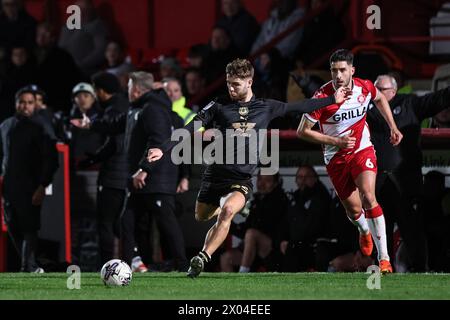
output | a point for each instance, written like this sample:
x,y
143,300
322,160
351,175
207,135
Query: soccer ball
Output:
x,y
116,273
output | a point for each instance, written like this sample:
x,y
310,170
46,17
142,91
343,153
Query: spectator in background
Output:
x,y
400,77
307,221
285,14
19,72
170,68
114,172
271,75
27,156
17,27
241,25
441,120
221,52
267,210
195,86
174,91
118,63
320,35
197,55
82,143
399,183
86,45
56,72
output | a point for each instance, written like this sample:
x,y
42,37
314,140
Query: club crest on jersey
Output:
x,y
361,98
243,111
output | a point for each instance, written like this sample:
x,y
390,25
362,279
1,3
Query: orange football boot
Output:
x,y
385,267
366,244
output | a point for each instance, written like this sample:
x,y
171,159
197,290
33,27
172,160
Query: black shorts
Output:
x,y
211,192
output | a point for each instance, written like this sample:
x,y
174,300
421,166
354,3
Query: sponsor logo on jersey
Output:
x,y
352,114
241,128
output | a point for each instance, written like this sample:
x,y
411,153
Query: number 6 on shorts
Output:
x,y
369,164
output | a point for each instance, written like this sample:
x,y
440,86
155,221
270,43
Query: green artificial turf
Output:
x,y
227,286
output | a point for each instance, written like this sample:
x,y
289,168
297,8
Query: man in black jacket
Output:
x,y
148,123
305,222
113,173
399,181
27,155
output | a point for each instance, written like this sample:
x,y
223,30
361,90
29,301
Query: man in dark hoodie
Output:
x,y
113,174
148,123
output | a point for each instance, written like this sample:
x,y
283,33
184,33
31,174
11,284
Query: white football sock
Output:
x,y
377,225
361,223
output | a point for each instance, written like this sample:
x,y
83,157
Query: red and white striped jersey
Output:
x,y
348,118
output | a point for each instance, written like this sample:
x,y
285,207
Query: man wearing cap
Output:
x,y
85,106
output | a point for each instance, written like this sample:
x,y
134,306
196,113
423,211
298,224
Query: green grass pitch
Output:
x,y
227,286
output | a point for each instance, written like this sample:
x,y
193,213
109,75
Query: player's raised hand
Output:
x,y
154,154
396,137
342,94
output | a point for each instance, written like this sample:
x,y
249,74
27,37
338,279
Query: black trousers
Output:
x,y
136,227
23,221
402,208
111,204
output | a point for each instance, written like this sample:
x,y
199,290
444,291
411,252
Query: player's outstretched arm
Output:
x,y
385,110
310,105
306,132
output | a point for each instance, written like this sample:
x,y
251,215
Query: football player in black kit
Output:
x,y
225,188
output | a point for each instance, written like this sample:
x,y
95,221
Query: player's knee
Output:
x,y
369,197
354,212
226,215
